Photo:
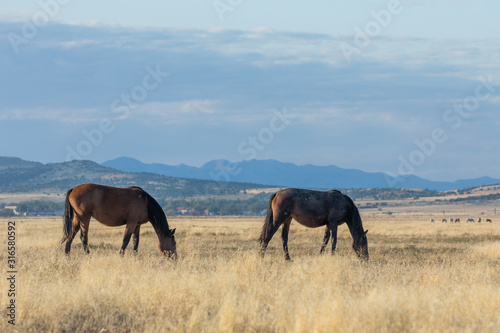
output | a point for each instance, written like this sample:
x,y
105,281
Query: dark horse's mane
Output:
x,y
156,214
356,218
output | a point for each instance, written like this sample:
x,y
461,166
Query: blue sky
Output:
x,y
390,86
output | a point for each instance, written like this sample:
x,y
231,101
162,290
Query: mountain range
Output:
x,y
275,173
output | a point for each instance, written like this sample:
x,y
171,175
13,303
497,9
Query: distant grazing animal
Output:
x,y
451,220
313,209
479,220
444,221
470,220
488,220
457,220
432,220
112,207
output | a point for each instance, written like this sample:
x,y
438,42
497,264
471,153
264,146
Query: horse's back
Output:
x,y
310,197
109,205
309,207
103,191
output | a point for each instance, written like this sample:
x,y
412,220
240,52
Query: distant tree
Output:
x,y
6,213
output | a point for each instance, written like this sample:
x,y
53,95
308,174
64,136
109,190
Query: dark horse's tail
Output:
x,y
67,218
268,222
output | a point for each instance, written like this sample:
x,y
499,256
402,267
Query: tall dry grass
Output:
x,y
421,277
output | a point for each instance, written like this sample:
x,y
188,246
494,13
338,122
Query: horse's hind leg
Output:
x,y
136,237
85,241
76,228
84,236
326,238
333,227
284,237
126,237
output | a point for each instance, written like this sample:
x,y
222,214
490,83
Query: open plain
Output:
x,y
421,277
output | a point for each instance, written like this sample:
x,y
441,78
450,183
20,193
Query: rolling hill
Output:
x,y
19,176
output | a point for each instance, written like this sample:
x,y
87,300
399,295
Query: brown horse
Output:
x,y
313,209
113,206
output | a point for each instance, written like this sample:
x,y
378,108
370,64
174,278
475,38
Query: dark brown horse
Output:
x,y
113,206
313,209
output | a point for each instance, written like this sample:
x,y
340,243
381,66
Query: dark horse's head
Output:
x,y
167,245
360,245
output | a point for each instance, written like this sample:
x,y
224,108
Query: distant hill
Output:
x,y
275,173
19,176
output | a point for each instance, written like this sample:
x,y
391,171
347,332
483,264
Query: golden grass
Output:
x,y
489,250
422,277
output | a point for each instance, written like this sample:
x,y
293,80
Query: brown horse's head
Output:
x,y
360,246
167,245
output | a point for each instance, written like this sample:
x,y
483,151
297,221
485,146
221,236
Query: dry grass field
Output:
x,y
422,277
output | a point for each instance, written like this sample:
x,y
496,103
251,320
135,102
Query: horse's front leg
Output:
x,y
326,238
136,237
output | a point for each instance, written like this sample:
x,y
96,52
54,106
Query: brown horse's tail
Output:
x,y
67,218
268,222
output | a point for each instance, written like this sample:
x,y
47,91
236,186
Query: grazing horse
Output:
x,y
470,220
488,220
457,220
313,209
112,207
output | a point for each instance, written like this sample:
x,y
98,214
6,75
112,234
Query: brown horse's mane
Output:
x,y
156,214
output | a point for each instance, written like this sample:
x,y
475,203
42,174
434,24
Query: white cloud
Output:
x,y
65,115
